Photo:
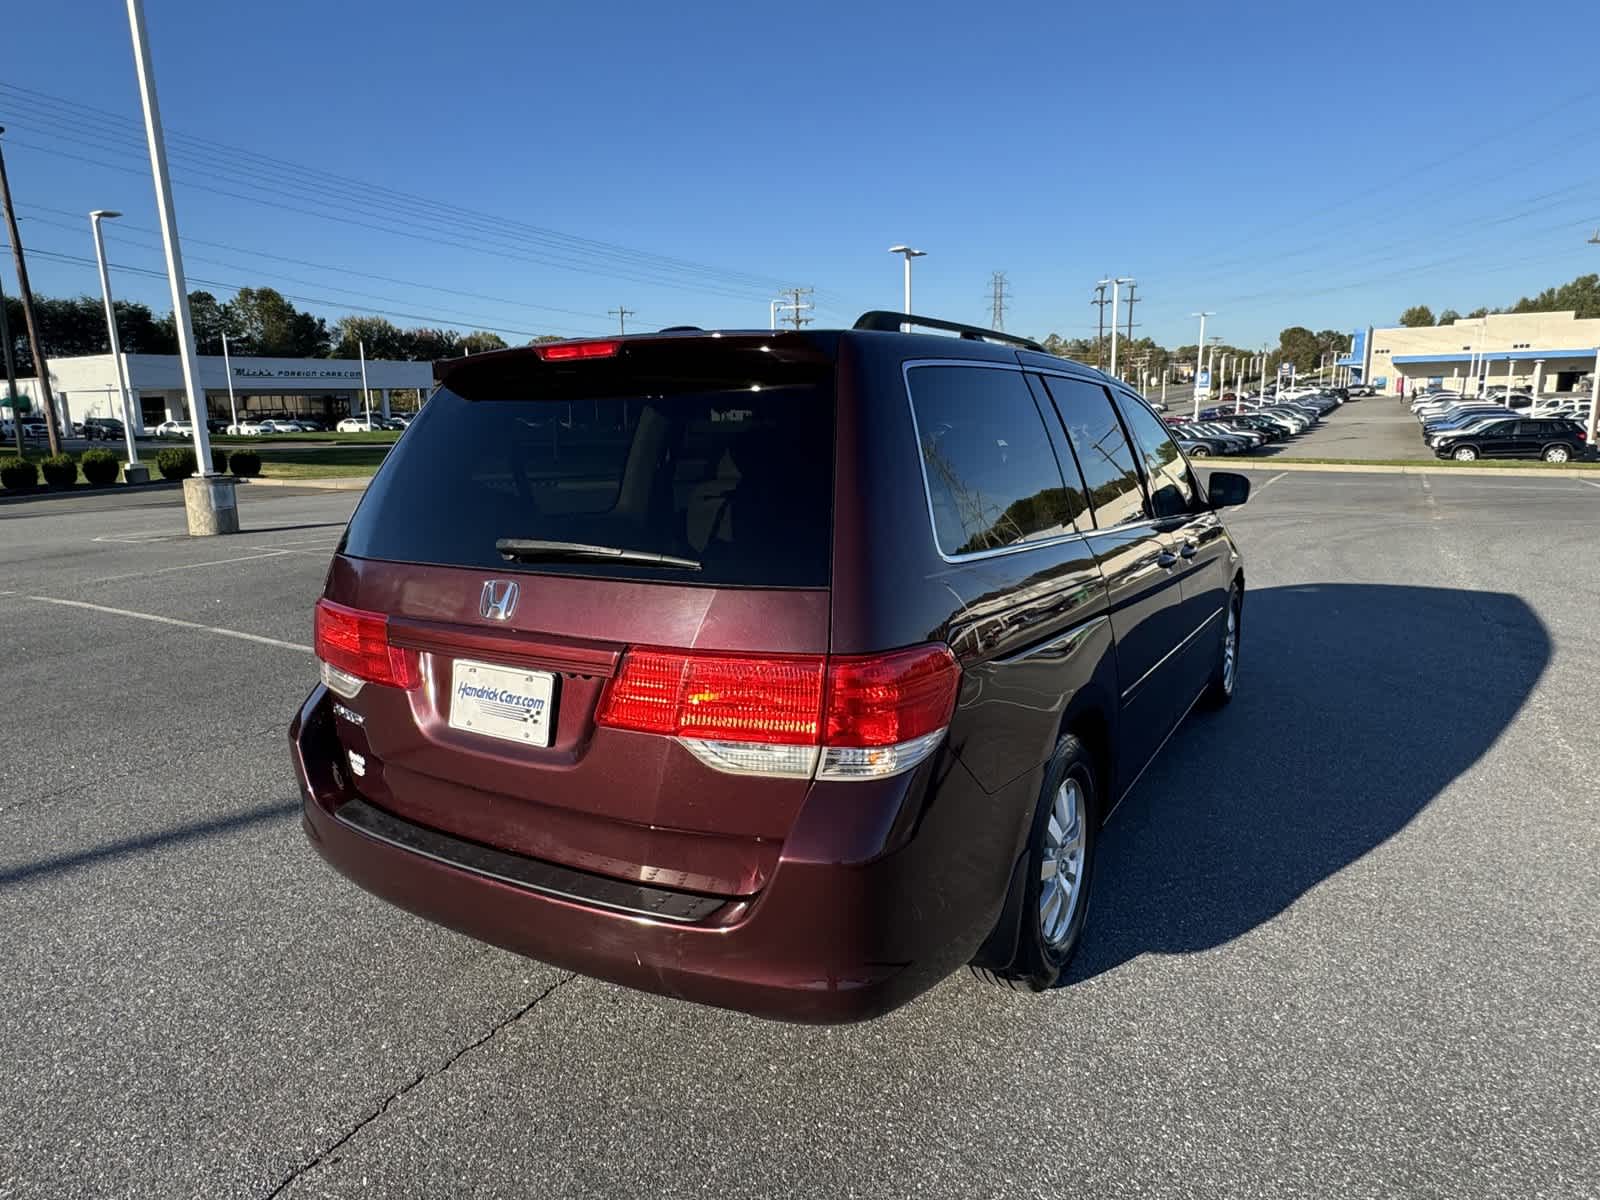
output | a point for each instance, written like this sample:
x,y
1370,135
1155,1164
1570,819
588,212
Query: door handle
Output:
x,y
1189,550
1166,559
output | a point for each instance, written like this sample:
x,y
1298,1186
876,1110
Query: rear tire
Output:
x,y
1557,454
1059,868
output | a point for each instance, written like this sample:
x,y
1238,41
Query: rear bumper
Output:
x,y
830,938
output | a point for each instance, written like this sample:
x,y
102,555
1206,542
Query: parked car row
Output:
x,y
1245,423
1466,429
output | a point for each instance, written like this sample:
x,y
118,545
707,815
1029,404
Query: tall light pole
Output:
x,y
209,501
1115,284
1594,392
366,394
1199,359
909,254
227,369
98,215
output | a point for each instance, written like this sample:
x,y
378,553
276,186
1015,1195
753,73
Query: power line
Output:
x,y
92,121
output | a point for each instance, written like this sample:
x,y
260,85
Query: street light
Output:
x,y
1115,284
131,469
909,255
1199,361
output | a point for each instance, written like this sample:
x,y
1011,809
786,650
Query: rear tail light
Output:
x,y
354,648
841,717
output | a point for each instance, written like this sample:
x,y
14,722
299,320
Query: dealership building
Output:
x,y
323,389
1543,353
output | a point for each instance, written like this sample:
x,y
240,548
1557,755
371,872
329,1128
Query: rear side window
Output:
x,y
991,474
1102,450
728,465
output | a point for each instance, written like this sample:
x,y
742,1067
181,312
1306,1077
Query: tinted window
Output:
x,y
738,478
1101,449
1171,491
992,477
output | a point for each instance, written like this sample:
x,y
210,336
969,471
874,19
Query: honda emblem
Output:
x,y
499,599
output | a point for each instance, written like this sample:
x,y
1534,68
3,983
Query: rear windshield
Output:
x,y
727,464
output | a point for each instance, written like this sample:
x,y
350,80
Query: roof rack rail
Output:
x,y
890,322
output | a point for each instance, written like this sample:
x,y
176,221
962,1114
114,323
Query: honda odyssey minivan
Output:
x,y
782,671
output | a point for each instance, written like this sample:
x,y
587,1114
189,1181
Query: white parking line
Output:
x,y
1590,482
212,562
1271,481
143,616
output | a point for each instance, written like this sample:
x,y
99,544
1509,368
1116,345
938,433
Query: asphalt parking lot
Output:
x,y
1344,934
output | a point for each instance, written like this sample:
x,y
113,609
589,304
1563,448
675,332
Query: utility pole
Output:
x,y
1131,302
41,369
1100,303
622,315
997,286
798,306
11,373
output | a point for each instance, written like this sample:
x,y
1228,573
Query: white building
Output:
x,y
325,389
1544,352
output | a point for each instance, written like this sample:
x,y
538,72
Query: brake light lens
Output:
x,y
568,351
355,644
868,715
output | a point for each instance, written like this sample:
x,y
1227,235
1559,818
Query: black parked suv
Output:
x,y
782,671
1554,439
104,428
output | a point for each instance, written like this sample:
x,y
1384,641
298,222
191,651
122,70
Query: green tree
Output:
x,y
1417,316
1299,345
430,345
377,335
1582,296
269,325
1478,312
1449,316
542,338
480,341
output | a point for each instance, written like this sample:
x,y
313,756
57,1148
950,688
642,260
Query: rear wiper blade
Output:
x,y
538,549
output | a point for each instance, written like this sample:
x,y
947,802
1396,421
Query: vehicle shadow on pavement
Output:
x,y
1357,705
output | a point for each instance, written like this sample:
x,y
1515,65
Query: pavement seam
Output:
x,y
399,1093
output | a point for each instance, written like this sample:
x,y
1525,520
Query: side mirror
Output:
x,y
1227,490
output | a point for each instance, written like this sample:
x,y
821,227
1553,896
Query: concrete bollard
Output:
x,y
211,504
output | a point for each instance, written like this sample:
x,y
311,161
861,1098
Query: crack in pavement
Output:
x,y
393,1097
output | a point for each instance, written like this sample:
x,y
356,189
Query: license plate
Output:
x,y
502,702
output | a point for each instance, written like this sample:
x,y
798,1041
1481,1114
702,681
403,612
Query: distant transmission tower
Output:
x,y
999,296
798,306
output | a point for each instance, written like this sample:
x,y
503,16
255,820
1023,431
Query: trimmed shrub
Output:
x,y
100,467
60,470
175,464
219,461
246,464
18,473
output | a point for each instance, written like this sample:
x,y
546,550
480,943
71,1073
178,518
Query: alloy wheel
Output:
x,y
1061,870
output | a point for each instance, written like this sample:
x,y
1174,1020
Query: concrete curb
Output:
x,y
1421,468
357,484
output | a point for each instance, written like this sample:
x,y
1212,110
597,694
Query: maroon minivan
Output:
x,y
787,672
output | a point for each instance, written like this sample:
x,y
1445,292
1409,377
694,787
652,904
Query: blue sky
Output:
x,y
1277,163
